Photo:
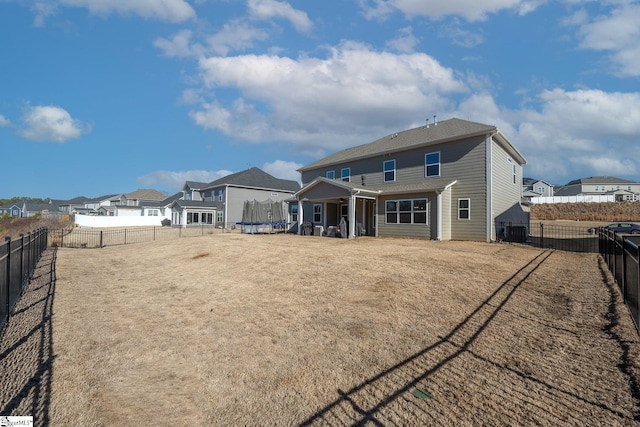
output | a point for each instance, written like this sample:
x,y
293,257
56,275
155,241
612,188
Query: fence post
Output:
x,y
101,238
8,303
23,275
541,235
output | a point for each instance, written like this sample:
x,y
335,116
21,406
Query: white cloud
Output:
x,y
267,9
471,10
459,36
618,33
174,181
405,42
589,132
51,123
235,35
323,103
179,45
4,121
283,169
162,10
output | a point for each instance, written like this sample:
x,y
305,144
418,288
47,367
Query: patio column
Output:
x,y
300,216
352,216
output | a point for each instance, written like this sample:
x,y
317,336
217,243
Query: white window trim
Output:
x,y
384,170
468,208
332,172
412,212
317,213
426,165
348,176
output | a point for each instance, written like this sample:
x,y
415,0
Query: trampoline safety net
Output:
x,y
263,217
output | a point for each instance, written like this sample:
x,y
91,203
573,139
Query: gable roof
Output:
x,y
255,178
600,180
435,185
423,136
145,194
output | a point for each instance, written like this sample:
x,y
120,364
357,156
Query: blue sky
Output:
x,y
108,96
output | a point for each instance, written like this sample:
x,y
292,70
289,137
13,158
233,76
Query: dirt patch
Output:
x,y
293,330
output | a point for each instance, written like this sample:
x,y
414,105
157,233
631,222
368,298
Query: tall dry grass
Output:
x,y
607,211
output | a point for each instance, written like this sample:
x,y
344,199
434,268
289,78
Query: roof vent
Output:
x,y
427,123
435,123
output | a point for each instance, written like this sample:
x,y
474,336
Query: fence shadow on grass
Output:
x,y
387,398
26,347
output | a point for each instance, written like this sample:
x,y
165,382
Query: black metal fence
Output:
x,y
18,259
622,254
550,236
86,238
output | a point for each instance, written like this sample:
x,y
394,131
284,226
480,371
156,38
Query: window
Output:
x,y
317,213
345,174
464,209
541,190
331,174
219,195
207,218
389,168
293,210
406,211
628,188
432,164
513,169
153,212
219,216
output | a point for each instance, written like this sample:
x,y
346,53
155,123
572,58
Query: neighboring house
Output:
x,y
193,213
45,210
226,196
454,180
69,206
535,187
621,189
14,211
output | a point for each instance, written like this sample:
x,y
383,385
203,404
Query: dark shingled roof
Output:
x,y
447,130
255,178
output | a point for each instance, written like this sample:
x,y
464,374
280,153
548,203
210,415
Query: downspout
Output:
x,y
489,194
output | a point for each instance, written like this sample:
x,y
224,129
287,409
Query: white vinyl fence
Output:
x,y
574,199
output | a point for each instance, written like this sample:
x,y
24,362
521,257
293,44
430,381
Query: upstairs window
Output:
x,y
432,164
345,174
331,174
219,195
389,168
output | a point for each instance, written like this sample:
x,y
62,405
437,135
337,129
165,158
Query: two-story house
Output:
x,y
221,202
452,180
620,189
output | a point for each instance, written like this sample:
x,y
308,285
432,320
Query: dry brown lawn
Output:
x,y
233,330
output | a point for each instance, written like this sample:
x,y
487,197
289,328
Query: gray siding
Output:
x,y
506,194
466,162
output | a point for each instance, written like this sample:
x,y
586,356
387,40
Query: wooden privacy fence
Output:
x,y
622,254
18,259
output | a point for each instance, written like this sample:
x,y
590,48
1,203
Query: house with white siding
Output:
x,y
451,180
